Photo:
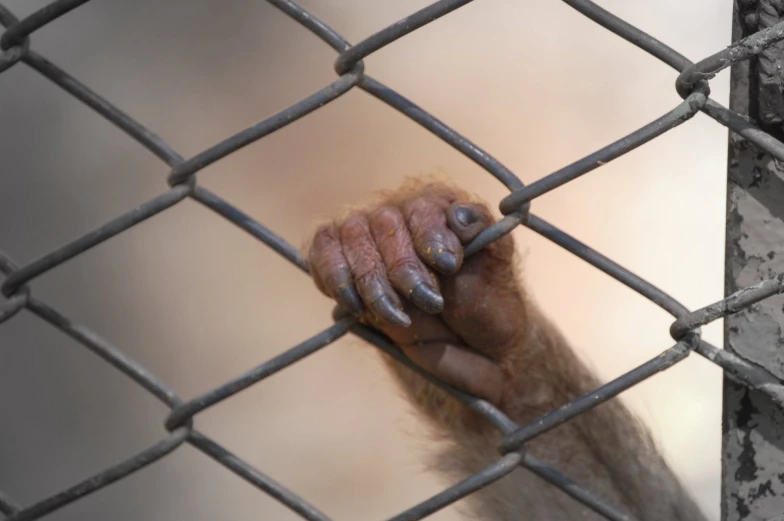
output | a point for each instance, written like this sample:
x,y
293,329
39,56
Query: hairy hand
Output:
x,y
399,265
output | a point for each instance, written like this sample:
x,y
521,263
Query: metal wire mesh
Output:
x,y
692,86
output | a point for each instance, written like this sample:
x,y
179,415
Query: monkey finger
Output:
x,y
433,241
405,270
425,328
331,271
467,220
370,276
461,367
434,346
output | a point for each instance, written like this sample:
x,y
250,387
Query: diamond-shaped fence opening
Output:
x,y
691,84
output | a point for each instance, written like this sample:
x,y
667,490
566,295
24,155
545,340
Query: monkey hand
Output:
x,y
399,265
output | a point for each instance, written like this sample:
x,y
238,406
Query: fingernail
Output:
x,y
349,299
465,216
427,298
445,261
389,312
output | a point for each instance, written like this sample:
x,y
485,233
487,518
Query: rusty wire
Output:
x,y
691,84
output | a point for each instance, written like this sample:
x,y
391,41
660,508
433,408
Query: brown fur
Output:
x,y
606,450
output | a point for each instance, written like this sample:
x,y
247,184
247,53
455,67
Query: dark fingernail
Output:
x,y
349,299
445,261
427,298
384,306
465,216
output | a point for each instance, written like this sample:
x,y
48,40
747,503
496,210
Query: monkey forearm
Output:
x,y
606,449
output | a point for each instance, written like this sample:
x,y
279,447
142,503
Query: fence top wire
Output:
x,y
691,84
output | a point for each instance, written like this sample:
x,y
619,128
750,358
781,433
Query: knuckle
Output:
x,y
423,217
324,236
387,218
354,228
418,206
357,219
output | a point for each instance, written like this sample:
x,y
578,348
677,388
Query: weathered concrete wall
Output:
x,y
753,428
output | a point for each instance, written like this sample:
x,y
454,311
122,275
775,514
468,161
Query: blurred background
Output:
x,y
198,301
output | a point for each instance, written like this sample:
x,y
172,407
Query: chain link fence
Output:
x,y
691,84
